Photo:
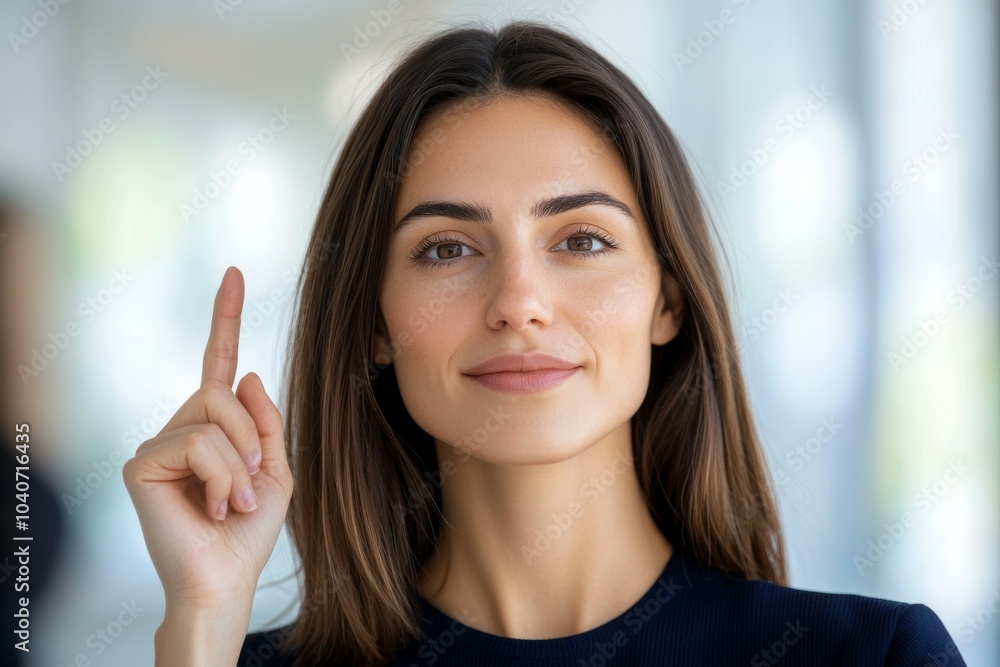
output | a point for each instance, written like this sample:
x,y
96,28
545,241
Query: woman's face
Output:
x,y
505,259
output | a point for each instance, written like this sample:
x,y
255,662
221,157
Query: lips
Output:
x,y
521,363
522,373
523,382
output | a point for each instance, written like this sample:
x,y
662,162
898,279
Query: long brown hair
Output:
x,y
365,512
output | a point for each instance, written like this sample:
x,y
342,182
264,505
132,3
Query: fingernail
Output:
x,y
221,512
249,499
253,462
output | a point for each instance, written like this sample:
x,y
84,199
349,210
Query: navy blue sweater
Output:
x,y
692,615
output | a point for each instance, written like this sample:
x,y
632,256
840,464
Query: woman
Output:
x,y
517,425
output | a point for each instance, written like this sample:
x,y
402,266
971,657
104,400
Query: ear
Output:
x,y
381,349
669,312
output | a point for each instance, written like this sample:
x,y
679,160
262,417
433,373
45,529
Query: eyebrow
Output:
x,y
479,213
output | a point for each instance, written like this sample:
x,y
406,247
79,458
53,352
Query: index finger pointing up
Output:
x,y
224,336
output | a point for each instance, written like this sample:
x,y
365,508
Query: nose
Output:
x,y
519,293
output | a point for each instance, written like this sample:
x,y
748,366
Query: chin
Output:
x,y
533,447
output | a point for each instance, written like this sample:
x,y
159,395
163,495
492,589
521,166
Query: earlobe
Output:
x,y
669,312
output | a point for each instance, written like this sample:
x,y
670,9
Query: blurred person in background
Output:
x,y
26,279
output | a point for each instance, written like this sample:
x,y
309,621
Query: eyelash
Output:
x,y
419,254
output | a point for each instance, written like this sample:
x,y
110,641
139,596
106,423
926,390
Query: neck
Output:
x,y
542,551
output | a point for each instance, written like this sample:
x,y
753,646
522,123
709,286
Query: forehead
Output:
x,y
510,150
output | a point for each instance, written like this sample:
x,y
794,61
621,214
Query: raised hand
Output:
x,y
212,488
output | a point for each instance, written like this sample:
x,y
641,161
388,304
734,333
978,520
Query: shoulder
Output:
x,y
266,648
921,637
814,627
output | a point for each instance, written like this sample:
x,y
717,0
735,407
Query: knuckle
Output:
x,y
127,470
225,346
200,441
215,388
144,445
212,431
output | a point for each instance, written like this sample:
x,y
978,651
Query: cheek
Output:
x,y
614,313
429,329
616,321
426,323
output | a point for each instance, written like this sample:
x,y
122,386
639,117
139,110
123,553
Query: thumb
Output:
x,y
254,398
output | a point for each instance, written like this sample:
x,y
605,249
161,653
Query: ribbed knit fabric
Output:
x,y
692,615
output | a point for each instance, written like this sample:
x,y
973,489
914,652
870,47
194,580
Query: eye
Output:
x,y
449,250
582,243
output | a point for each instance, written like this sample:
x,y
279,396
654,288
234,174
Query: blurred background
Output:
x,y
847,150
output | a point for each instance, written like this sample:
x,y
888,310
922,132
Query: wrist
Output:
x,y
198,636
